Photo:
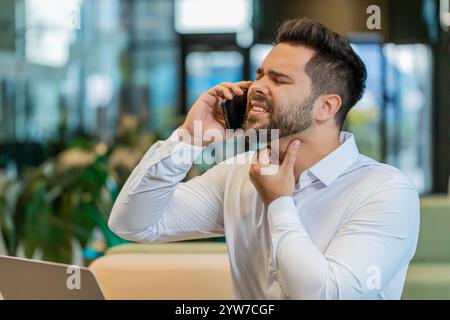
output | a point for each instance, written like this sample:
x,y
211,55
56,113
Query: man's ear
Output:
x,y
327,106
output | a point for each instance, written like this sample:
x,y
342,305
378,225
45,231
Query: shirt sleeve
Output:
x,y
377,241
154,205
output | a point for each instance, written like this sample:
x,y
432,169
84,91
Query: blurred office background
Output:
x,y
86,86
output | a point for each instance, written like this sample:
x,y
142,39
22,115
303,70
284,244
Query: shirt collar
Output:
x,y
335,164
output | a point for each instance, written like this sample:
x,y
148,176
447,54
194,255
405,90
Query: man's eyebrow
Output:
x,y
273,73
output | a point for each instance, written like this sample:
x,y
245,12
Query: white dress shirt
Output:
x,y
348,232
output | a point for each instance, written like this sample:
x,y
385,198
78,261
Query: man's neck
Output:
x,y
313,148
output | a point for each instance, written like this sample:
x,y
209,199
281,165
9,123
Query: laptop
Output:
x,y
25,279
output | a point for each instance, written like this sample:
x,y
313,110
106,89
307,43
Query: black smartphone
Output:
x,y
234,111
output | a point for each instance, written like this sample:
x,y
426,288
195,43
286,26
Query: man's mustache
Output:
x,y
260,98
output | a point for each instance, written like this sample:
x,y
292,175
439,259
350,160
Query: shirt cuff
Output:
x,y
175,137
185,147
175,156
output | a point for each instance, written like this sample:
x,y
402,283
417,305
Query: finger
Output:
x,y
254,170
237,90
244,84
264,157
226,92
291,155
255,157
221,91
241,84
274,155
239,87
234,87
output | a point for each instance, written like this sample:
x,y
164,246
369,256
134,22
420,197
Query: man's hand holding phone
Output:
x,y
207,110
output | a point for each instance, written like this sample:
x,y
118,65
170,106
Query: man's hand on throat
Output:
x,y
273,181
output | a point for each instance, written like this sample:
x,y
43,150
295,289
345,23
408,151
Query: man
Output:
x,y
329,224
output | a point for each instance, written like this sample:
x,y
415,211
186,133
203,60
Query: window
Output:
x,y
364,119
50,26
212,16
207,69
408,84
257,55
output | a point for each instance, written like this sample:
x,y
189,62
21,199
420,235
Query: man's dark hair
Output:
x,y
335,68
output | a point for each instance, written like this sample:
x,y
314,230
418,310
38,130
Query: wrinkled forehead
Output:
x,y
289,59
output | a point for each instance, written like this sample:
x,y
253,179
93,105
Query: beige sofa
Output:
x,y
165,271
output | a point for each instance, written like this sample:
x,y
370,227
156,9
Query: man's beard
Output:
x,y
288,120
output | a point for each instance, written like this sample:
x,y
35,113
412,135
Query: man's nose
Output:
x,y
259,87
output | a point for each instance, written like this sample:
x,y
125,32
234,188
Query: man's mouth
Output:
x,y
258,107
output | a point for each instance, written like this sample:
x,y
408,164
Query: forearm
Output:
x,y
303,271
149,189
